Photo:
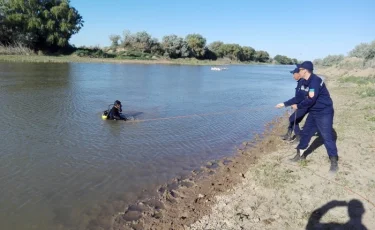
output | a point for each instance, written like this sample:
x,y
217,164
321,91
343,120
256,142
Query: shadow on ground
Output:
x,y
355,213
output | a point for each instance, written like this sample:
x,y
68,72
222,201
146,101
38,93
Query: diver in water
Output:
x,y
114,113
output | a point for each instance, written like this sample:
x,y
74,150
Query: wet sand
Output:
x,y
259,188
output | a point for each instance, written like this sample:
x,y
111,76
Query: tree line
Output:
x,y
48,25
192,46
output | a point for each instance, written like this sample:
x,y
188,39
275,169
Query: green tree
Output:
x,y
370,54
197,44
284,60
140,41
127,40
175,47
360,50
232,51
248,53
216,48
156,47
262,56
43,24
209,54
114,40
364,50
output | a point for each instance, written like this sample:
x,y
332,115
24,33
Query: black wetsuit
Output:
x,y
114,114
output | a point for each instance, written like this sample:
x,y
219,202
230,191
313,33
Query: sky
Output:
x,y
302,29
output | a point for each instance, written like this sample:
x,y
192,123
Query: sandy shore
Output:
x,y
260,188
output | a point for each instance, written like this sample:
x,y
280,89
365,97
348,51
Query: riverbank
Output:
x,y
74,58
260,188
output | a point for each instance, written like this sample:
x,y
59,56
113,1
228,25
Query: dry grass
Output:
x,y
17,49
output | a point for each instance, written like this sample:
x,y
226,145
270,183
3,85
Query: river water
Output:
x,y
61,164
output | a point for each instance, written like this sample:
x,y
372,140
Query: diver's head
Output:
x,y
117,104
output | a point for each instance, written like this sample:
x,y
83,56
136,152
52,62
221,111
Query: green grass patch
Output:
x,y
370,118
303,163
368,107
273,176
366,92
358,80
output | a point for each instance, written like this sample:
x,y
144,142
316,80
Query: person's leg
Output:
x,y
324,122
300,115
308,131
290,128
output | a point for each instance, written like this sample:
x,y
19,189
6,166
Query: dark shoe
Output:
x,y
295,139
334,166
287,135
299,156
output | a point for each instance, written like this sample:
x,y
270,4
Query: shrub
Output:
x,y
332,60
92,53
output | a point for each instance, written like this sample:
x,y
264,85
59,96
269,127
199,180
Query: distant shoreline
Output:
x,y
76,59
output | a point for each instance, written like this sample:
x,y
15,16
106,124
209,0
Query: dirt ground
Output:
x,y
260,188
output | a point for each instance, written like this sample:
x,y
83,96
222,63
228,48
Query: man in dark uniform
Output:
x,y
321,112
114,113
299,114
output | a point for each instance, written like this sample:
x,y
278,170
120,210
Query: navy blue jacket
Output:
x,y
318,97
299,96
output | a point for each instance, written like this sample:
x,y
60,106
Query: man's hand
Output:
x,y
294,106
280,105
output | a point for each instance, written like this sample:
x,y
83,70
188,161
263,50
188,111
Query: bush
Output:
x,y
92,53
364,50
134,55
361,57
332,60
352,63
318,62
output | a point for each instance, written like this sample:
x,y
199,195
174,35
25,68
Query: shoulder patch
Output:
x,y
311,93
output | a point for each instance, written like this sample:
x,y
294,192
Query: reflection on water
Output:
x,y
63,167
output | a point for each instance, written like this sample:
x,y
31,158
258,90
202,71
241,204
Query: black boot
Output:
x,y
298,156
334,166
295,139
287,135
